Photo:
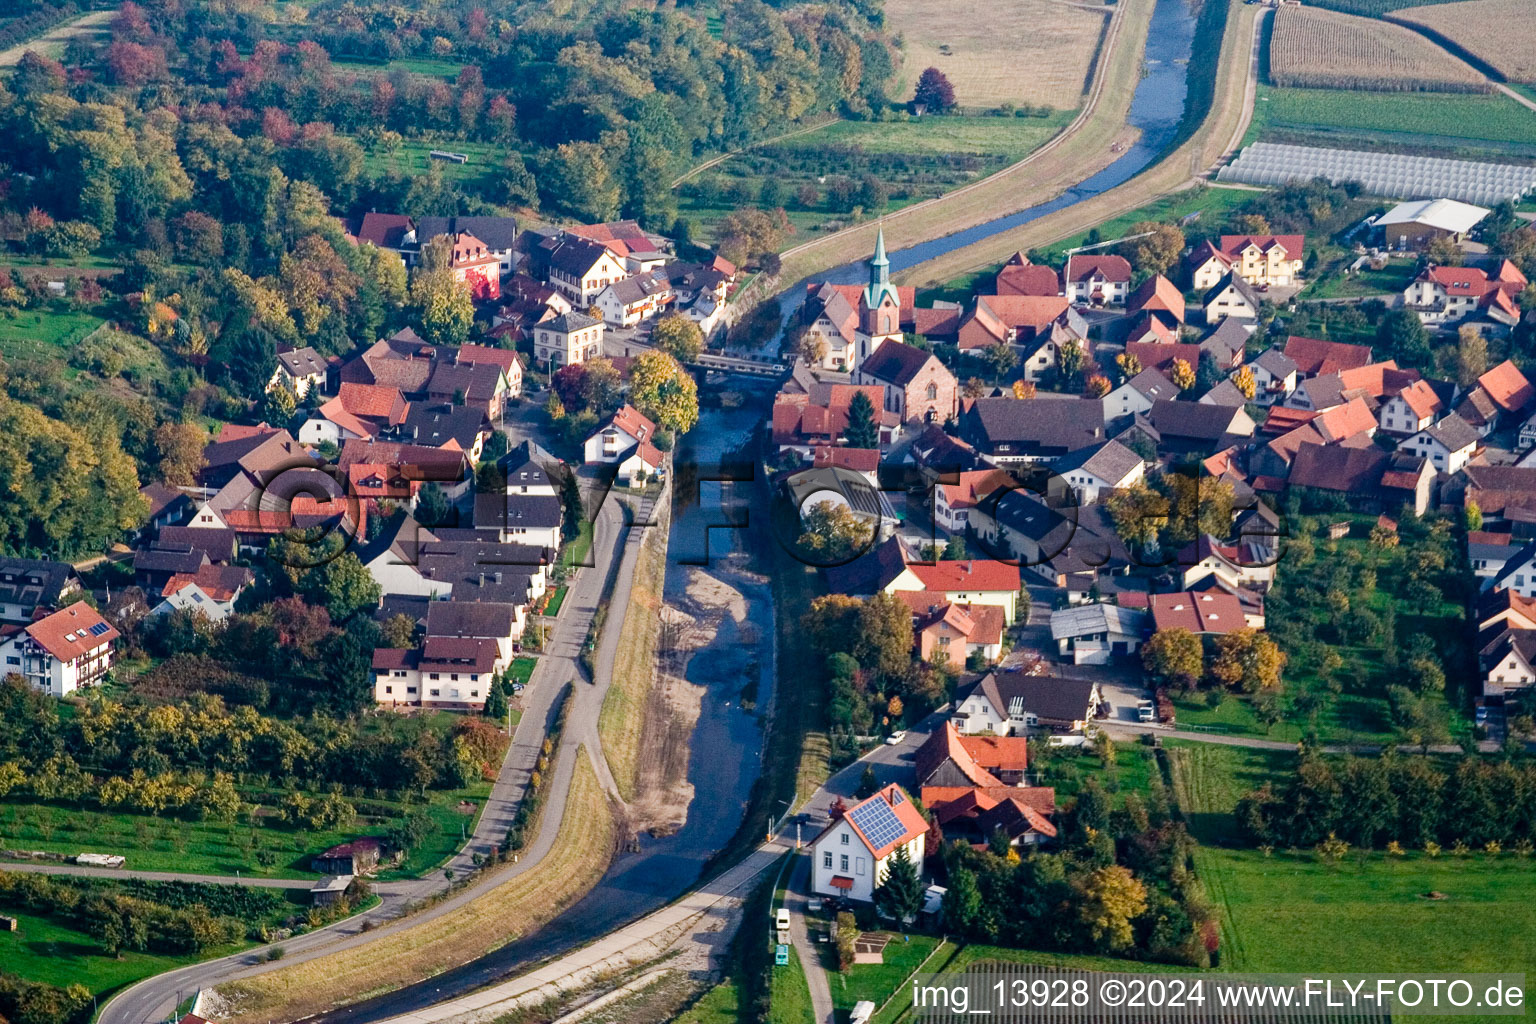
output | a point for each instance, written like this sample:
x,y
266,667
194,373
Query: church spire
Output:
x,y
879,274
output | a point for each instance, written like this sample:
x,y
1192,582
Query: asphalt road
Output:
x,y
155,998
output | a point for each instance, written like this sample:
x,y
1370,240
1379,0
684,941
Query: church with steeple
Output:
x,y
851,321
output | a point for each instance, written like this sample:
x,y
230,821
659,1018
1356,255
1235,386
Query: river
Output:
x,y
1157,108
727,739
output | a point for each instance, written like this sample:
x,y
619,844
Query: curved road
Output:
x,y
153,999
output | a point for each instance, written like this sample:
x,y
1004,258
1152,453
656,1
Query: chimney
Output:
x,y
498,577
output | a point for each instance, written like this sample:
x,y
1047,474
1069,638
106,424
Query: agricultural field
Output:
x,y
1017,51
1316,48
1291,912
1500,33
411,157
1455,119
1368,8
87,27
44,332
217,848
915,160
54,946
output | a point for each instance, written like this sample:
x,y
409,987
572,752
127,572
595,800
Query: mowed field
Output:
x,y
1290,912
1310,46
1378,115
1501,33
53,42
1007,51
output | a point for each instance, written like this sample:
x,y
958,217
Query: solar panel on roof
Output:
x,y
878,823
99,628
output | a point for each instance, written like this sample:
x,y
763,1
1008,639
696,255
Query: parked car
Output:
x,y
1146,711
781,920
895,737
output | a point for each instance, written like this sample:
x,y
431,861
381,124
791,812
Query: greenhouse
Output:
x,y
1396,175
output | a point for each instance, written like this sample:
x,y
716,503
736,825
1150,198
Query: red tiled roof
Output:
x,y
1154,355
219,582
943,746
1313,356
1507,386
1232,245
973,485
628,419
1015,311
969,574
1111,268
386,230
1157,294
502,357
905,811
372,401
1033,279
1199,612
72,631
860,460
649,454
236,432
1420,399
998,753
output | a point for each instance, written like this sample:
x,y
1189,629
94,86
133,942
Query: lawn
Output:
x,y
789,997
1069,768
1389,280
1010,137
522,668
578,550
412,158
1358,712
719,1005
419,66
1290,912
556,600
915,160
1402,118
1210,778
217,848
46,951
44,333
876,982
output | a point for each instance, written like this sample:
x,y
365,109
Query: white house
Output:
x,y
1448,445
1137,394
1230,296
1519,573
1411,409
852,856
567,339
580,268
1509,666
211,592
301,369
62,652
626,303
645,462
953,501
1274,377
613,440
1092,471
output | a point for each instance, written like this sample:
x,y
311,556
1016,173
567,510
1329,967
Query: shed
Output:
x,y
354,858
329,890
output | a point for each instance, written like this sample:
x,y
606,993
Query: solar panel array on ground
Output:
x,y
1397,175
